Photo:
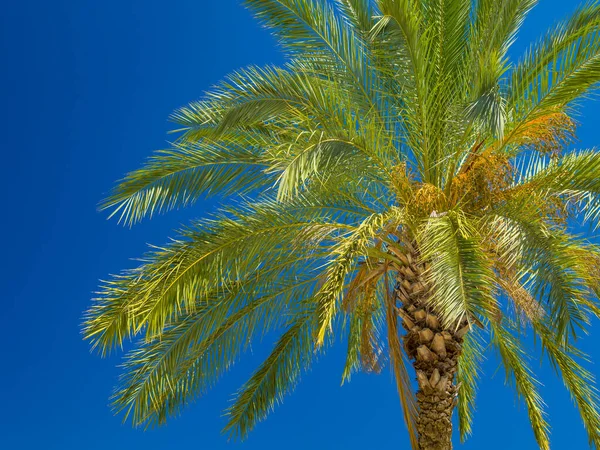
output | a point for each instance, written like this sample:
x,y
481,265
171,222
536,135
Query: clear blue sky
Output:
x,y
86,88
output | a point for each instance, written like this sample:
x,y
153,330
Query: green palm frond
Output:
x,y
248,97
175,278
323,157
520,375
401,56
191,356
547,258
467,378
584,22
276,376
312,27
201,168
578,380
460,276
576,172
359,13
574,178
497,23
545,84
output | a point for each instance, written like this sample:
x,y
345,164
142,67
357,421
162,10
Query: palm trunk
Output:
x,y
434,352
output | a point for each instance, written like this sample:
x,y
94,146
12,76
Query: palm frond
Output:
x,y
313,28
575,178
359,14
174,279
364,312
397,360
321,159
165,373
275,377
460,275
552,280
524,302
579,381
346,254
178,177
563,68
519,374
467,377
497,23
557,43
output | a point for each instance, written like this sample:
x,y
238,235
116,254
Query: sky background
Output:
x,y
86,88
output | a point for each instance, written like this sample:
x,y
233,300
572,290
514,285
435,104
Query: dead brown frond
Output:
x,y
366,277
525,304
370,346
398,363
361,300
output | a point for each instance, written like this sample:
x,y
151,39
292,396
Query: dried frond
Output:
x,y
397,359
523,300
370,345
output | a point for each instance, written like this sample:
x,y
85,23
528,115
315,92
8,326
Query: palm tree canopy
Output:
x,y
393,122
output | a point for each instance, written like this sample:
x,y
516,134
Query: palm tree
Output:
x,y
399,185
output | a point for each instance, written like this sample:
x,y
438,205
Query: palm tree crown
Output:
x,y
399,172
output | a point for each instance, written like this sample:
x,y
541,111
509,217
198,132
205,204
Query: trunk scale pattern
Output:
x,y
434,352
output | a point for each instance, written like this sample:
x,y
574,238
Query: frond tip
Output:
x,y
275,377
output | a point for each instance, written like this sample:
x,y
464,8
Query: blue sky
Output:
x,y
86,89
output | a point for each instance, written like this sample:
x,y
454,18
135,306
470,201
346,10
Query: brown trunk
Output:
x,y
434,352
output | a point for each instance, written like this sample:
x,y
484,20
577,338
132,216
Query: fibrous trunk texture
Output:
x,y
434,351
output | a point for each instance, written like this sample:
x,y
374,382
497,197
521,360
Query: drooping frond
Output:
x,y
397,360
174,279
467,377
524,302
191,356
275,377
460,275
365,311
545,255
346,256
520,375
579,381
